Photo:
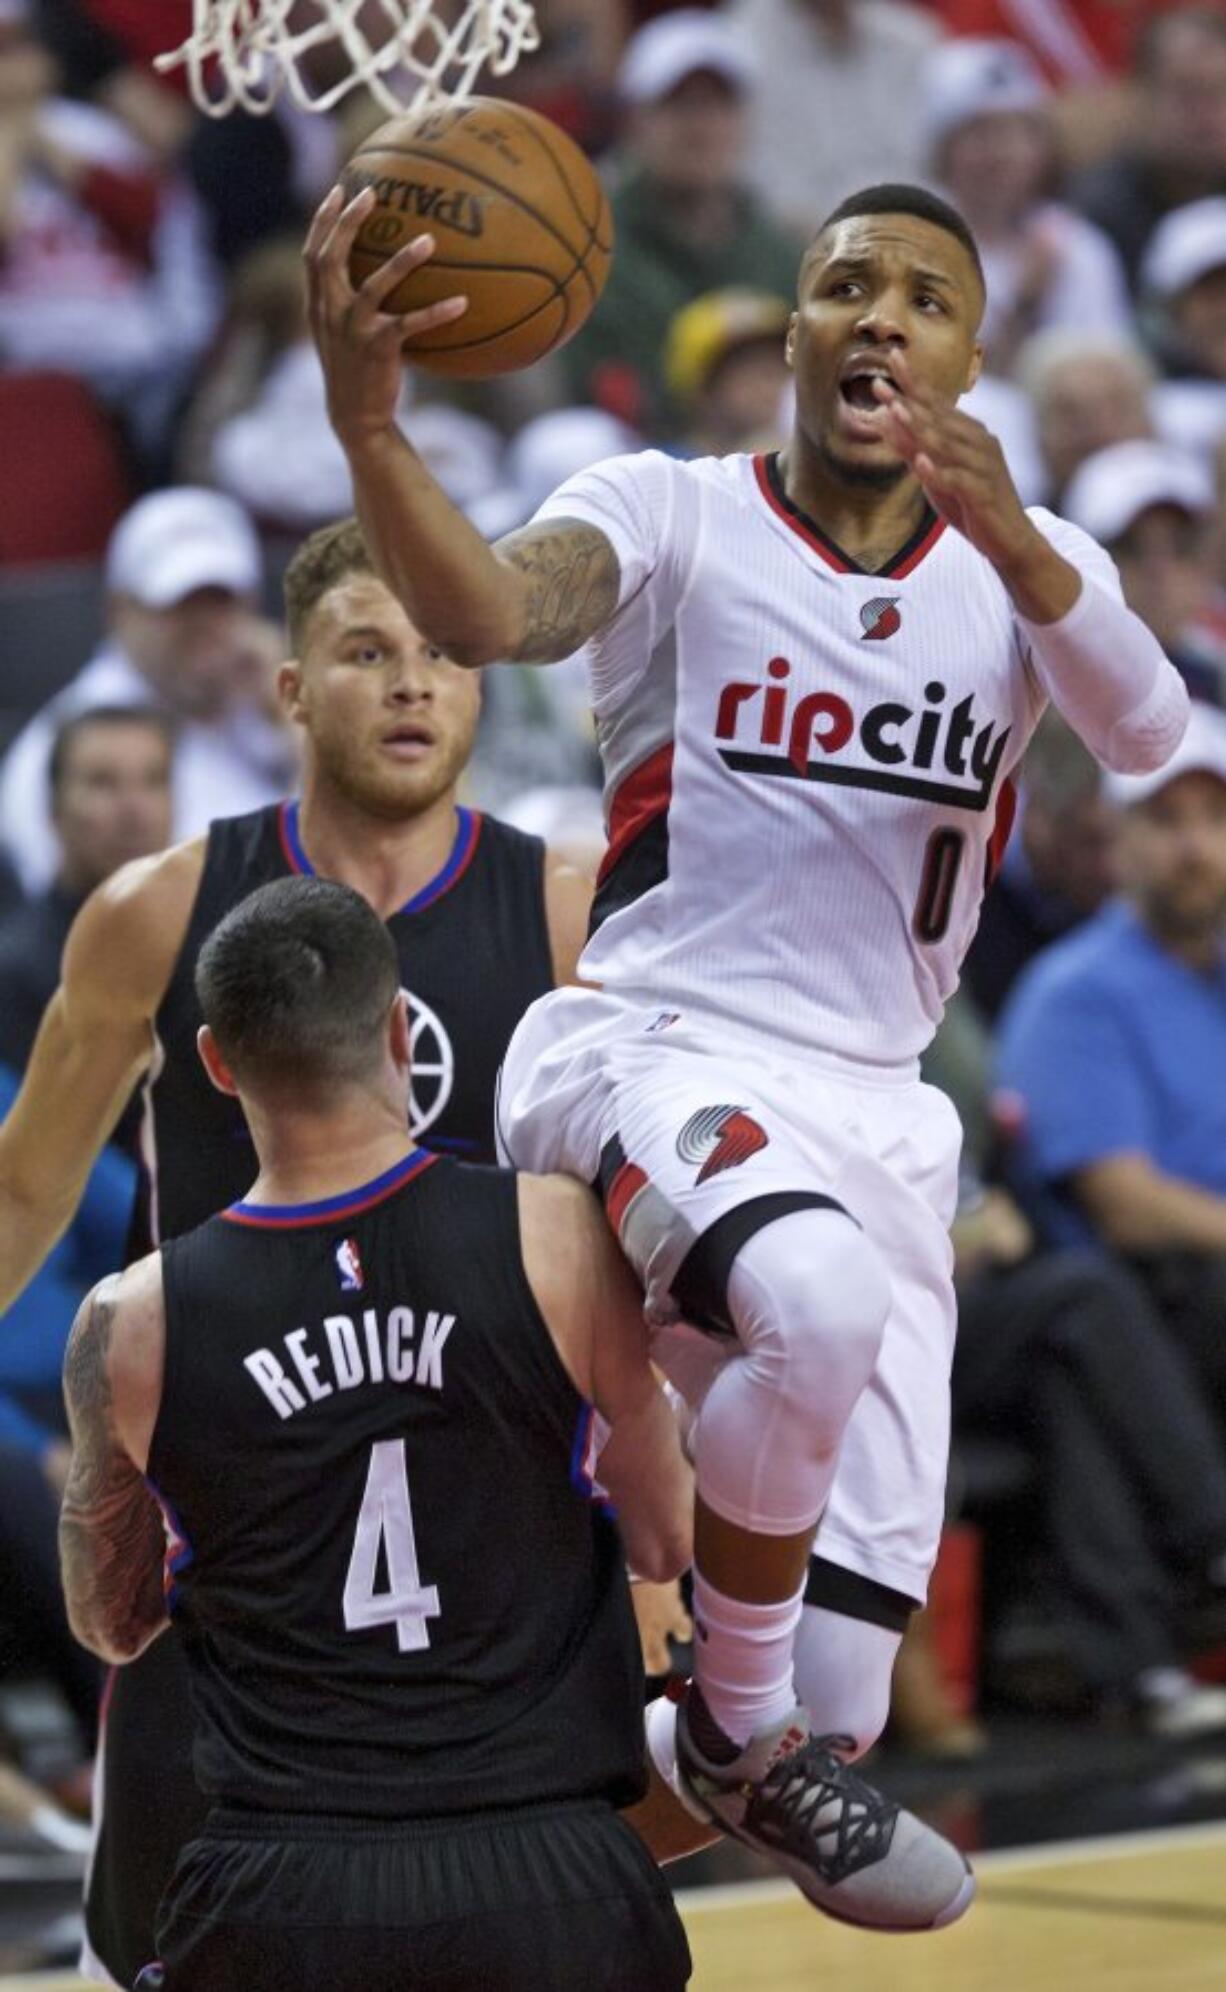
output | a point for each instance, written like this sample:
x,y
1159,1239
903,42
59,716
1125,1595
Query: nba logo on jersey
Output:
x,y
349,1274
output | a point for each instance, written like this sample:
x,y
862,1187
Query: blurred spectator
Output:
x,y
109,781
1075,42
182,575
1066,1354
571,77
1114,1047
836,104
992,149
1178,153
110,790
105,50
726,367
684,222
1058,869
1088,390
1183,280
258,427
103,273
1153,507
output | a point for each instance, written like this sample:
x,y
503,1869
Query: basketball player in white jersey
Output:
x,y
813,677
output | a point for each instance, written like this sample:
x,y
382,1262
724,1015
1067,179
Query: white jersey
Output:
x,y
807,767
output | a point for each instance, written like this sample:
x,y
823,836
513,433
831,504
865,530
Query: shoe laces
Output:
x,y
812,1793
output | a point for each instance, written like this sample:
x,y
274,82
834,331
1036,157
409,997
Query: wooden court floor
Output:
x,y
1143,1914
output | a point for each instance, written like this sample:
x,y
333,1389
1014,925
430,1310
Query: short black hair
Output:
x,y
105,715
897,197
297,982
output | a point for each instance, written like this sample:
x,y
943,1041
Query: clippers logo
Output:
x,y
880,618
720,1138
349,1274
807,737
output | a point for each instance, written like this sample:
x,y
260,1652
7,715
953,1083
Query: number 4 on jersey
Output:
x,y
387,1516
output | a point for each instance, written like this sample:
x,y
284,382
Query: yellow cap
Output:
x,y
706,331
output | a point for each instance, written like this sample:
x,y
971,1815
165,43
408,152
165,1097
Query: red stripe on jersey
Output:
x,y
625,1186
761,471
642,797
917,553
1006,810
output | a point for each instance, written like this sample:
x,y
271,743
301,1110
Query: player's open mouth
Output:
x,y
408,743
856,383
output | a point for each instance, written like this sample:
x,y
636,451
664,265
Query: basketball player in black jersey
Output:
x,y
362,1397
483,921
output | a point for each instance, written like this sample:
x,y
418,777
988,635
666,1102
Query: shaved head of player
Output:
x,y
873,287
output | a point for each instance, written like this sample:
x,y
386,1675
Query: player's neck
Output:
x,y
869,523
307,1156
388,861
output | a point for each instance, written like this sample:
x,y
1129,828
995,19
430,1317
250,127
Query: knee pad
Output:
x,y
810,1295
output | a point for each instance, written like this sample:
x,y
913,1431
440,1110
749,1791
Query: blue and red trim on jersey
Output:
x,y
463,851
330,1210
180,1553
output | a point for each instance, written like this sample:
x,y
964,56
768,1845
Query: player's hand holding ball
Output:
x,y
482,212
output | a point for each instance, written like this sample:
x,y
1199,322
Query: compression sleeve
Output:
x,y
1102,668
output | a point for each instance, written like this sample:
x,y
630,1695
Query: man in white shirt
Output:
x,y
813,675
183,635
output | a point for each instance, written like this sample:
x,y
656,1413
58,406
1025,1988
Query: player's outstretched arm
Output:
x,y
536,597
594,1310
95,1041
112,1537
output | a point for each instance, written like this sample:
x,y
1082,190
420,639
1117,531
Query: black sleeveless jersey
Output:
x,y
396,1598
474,953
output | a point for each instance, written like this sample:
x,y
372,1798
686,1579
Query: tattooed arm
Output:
x,y
112,1539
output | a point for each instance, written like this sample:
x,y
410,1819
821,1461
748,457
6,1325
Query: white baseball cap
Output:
x,y
965,79
173,542
1201,751
1185,246
679,44
1114,486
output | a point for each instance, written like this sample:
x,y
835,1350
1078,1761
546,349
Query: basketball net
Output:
x,y
407,53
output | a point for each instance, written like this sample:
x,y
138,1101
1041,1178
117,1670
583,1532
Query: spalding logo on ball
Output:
x,y
521,223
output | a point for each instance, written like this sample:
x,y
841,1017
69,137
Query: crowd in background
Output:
x,y
163,431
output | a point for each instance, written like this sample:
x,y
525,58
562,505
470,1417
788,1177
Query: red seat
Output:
x,y
66,481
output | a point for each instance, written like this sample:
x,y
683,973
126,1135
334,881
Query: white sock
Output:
x,y
743,1659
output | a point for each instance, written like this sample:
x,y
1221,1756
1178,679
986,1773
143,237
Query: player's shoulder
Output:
x,y
1072,541
133,925
498,838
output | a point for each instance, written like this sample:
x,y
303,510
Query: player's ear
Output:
x,y
789,344
213,1062
289,688
399,1027
975,368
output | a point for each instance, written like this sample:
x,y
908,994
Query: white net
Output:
x,y
407,53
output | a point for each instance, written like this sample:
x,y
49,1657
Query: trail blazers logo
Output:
x,y
880,618
944,751
720,1138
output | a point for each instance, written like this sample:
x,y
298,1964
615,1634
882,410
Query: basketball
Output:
x,y
521,221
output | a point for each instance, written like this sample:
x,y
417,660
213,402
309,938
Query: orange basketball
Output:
x,y
521,221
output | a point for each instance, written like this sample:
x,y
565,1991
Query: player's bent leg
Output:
x,y
809,1297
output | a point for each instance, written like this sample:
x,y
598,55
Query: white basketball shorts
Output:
x,y
696,1136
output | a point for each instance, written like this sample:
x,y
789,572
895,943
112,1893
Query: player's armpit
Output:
x,y
95,1041
112,1537
573,579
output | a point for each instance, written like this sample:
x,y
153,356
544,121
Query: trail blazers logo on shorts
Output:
x,y
720,1138
349,1274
